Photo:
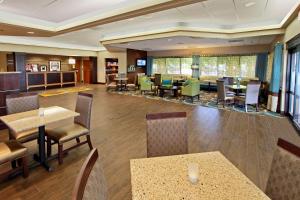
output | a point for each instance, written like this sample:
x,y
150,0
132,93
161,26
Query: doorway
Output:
x,y
87,71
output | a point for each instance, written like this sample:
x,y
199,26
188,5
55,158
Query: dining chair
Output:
x,y
80,127
11,151
16,103
90,182
131,84
167,134
110,83
157,79
284,178
223,95
252,95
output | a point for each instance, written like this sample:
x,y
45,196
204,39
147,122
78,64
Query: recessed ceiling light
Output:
x,y
249,4
30,32
128,44
170,39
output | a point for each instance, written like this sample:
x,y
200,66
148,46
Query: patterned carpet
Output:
x,y
208,99
60,91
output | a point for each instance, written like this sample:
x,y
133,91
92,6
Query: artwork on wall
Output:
x,y
28,68
34,67
54,65
43,68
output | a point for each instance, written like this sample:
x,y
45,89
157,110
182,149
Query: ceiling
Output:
x,y
183,42
228,16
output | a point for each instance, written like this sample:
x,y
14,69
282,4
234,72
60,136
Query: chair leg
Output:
x,y
246,107
256,107
49,147
77,140
198,97
25,167
88,138
60,154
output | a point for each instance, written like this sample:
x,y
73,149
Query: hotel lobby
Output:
x,y
152,99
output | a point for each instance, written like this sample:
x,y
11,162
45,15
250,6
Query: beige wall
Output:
x,y
213,51
292,30
3,62
122,56
44,60
45,50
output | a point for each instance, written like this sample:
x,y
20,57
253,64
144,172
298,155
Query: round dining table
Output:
x,y
121,83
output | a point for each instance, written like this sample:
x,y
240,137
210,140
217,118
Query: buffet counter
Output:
x,y
46,79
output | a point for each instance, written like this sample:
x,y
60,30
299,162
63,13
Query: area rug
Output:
x,y
207,99
54,92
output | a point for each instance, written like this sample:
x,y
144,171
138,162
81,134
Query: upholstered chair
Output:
x,y
146,85
166,80
90,183
11,151
16,103
80,127
223,96
284,178
110,83
252,95
167,134
131,85
191,88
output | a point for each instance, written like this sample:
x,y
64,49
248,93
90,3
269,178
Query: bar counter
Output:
x,y
46,79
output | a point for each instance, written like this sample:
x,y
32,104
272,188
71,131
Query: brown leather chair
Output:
x,y
167,134
80,127
284,178
90,183
17,103
10,151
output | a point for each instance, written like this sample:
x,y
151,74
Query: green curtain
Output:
x,y
261,66
276,71
149,65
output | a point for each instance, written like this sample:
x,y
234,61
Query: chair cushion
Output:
x,y
25,136
166,82
11,150
66,133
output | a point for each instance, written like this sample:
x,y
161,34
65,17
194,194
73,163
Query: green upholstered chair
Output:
x,y
146,85
139,77
166,80
191,88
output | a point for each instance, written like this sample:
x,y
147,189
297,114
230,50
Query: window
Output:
x,y
186,66
237,66
173,65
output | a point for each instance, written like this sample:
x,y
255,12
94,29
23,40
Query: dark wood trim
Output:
x,y
83,175
85,94
289,147
155,116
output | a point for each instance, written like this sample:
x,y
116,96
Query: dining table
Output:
x,y
237,88
210,83
38,119
168,178
122,83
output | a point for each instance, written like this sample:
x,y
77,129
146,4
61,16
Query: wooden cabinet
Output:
x,y
9,83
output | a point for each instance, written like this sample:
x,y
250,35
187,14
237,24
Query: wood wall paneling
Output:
x,y
132,56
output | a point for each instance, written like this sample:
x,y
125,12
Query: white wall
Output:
x,y
122,58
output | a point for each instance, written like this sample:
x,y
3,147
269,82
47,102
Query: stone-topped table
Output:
x,y
167,178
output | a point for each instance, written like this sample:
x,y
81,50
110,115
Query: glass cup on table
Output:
x,y
193,172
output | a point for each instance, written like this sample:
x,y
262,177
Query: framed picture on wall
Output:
x,y
34,67
54,65
43,68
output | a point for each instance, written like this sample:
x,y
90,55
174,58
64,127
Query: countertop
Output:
x,y
167,178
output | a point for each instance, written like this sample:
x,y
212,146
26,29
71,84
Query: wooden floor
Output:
x,y
118,131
